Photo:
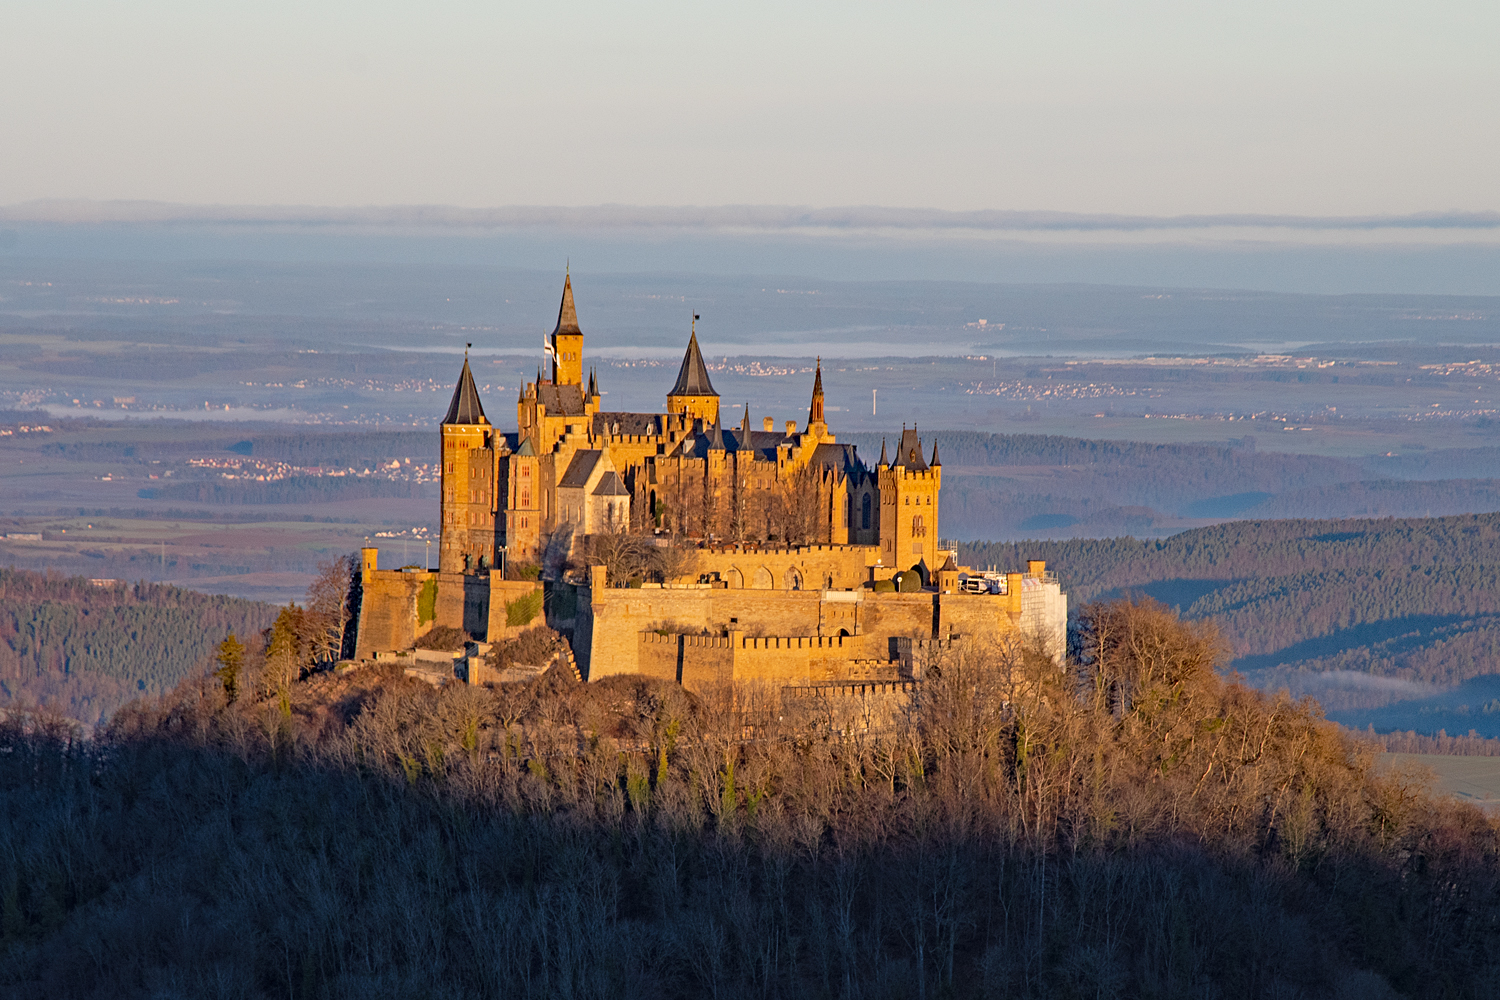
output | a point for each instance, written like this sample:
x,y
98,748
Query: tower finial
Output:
x,y
815,411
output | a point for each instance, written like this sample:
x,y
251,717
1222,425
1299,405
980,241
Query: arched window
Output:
x,y
864,512
918,527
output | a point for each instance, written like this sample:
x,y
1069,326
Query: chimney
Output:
x,y
769,424
1036,568
791,428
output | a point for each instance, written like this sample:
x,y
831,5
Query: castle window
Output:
x,y
918,527
864,513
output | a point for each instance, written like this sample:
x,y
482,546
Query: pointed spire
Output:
x,y
593,385
465,407
934,453
567,314
815,411
745,420
692,377
883,460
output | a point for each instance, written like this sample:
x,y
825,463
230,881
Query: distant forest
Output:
x,y
999,485
293,489
340,448
1409,599
85,650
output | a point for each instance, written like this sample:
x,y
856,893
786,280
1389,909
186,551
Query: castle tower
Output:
x,y
693,395
467,540
909,491
567,341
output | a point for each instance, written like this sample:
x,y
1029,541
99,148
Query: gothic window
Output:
x,y
864,512
918,527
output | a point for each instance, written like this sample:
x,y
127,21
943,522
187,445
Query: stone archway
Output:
x,y
734,579
793,579
763,580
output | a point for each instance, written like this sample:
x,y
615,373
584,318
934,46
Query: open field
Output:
x,y
1475,780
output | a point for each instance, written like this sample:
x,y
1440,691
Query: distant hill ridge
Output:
x,y
1357,612
87,649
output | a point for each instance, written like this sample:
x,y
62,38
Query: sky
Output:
x,y
1153,107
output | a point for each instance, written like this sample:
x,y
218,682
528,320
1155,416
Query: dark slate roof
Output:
x,y
527,449
562,400
842,458
580,469
909,452
465,408
692,378
634,424
610,486
567,315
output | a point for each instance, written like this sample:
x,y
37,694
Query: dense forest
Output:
x,y
293,489
1134,826
1414,600
1009,485
85,650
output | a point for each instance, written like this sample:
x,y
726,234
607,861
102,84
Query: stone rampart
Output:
x,y
396,607
785,636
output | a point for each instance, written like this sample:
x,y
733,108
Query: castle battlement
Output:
x,y
783,541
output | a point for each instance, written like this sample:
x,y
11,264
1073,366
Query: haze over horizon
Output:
x,y
1168,108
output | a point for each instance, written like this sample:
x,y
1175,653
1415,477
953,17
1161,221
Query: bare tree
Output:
x,y
675,560
624,557
327,614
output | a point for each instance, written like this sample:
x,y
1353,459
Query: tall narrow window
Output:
x,y
864,512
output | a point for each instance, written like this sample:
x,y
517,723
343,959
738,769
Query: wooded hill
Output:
x,y
85,650
1138,828
1411,600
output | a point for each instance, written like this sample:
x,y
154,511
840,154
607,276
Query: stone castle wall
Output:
x,y
784,636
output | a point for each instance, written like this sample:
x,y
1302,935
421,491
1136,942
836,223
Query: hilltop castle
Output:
x,y
572,469
795,561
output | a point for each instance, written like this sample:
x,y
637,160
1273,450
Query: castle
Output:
x,y
780,555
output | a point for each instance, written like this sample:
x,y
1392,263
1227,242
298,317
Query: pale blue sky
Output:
x,y
1309,107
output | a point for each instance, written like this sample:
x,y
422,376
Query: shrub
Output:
x,y
443,637
523,609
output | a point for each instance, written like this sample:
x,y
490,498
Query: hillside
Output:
x,y
1030,485
1152,831
1358,612
85,650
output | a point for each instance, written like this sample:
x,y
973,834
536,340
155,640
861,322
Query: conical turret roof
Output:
x,y
935,460
567,314
692,377
465,407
